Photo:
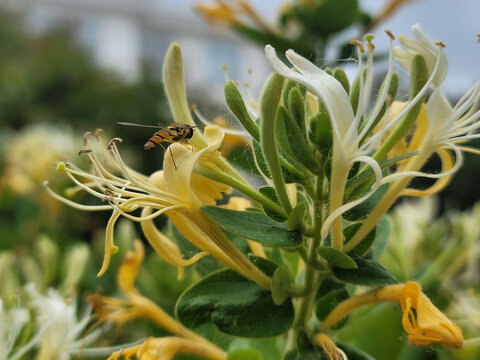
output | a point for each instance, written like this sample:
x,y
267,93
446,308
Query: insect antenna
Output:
x,y
139,125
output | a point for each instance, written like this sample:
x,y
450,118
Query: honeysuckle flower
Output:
x,y
442,129
25,167
135,305
423,322
59,331
329,347
232,12
177,192
422,45
349,145
11,323
166,348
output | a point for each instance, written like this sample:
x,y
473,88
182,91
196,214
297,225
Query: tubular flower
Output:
x,y
441,129
423,322
178,193
166,348
135,305
58,337
351,124
232,12
328,345
11,323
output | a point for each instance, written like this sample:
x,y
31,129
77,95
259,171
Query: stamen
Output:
x,y
440,43
89,134
114,140
358,44
390,34
84,151
72,203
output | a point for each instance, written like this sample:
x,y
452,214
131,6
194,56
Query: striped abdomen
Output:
x,y
158,137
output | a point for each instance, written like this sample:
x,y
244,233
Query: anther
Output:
x,y
108,195
358,44
478,38
84,151
113,141
390,34
89,133
440,43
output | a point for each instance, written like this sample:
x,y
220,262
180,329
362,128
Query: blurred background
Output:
x,y
70,66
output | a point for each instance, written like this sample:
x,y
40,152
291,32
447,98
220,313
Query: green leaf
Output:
x,y
335,258
381,240
254,226
328,16
281,282
236,305
270,193
260,159
353,353
243,354
326,303
298,147
361,249
369,272
295,218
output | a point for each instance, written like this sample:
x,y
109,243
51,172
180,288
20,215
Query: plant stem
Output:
x,y
244,188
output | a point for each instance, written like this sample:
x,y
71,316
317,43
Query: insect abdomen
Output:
x,y
158,137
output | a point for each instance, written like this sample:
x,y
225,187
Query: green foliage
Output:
x,y
215,299
254,226
368,272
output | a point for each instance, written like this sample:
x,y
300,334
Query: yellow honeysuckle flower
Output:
x,y
328,345
177,192
232,12
423,322
135,305
166,348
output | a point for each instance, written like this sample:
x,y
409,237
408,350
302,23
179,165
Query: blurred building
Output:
x,y
124,35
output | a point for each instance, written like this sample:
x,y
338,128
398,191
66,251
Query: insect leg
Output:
x,y
163,147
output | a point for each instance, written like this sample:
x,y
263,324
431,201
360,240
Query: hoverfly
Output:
x,y
180,133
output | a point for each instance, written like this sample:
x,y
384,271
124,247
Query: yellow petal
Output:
x,y
129,269
110,247
165,247
427,324
329,347
441,183
180,182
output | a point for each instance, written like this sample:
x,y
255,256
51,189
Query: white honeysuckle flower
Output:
x,y
59,331
11,323
426,47
455,125
347,139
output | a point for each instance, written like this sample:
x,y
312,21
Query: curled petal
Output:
x,y
129,269
427,324
110,247
165,247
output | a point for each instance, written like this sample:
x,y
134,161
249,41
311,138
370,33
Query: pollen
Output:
x,y
358,44
390,34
